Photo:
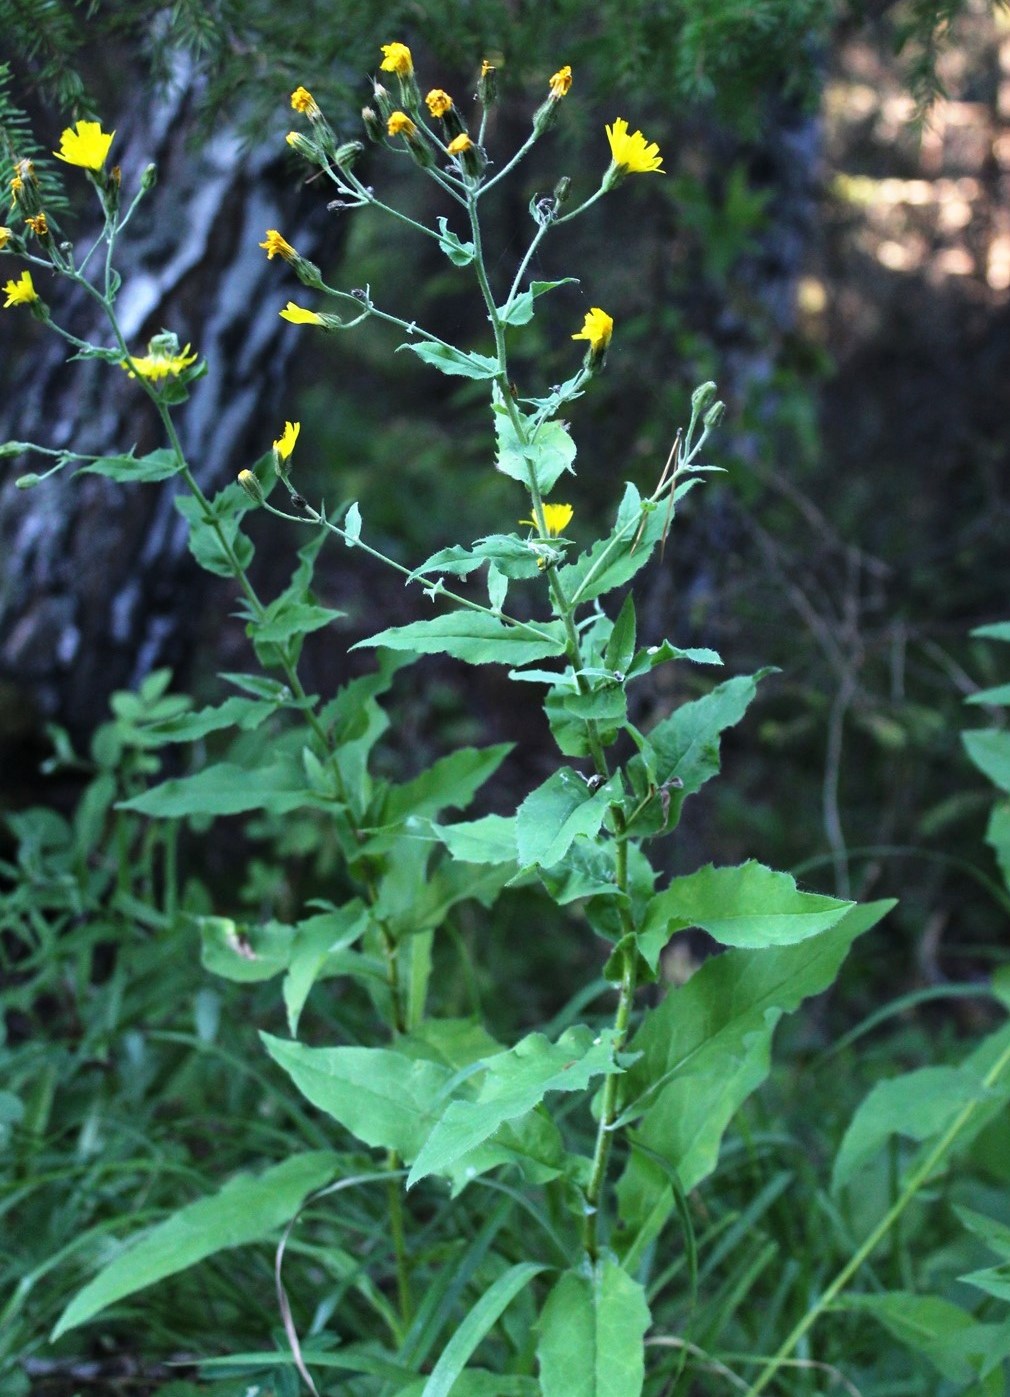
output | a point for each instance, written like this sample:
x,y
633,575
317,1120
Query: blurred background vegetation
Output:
x,y
831,244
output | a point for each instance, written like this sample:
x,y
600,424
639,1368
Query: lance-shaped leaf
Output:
x,y
520,310
989,749
591,1333
514,1082
706,1047
474,636
225,789
614,560
491,839
156,465
745,906
453,361
557,813
448,784
386,1099
246,1209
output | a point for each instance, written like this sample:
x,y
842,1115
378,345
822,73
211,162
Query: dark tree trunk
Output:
x,y
97,586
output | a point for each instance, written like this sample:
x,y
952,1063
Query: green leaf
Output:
x,y
454,361
556,813
520,311
745,906
214,538
449,783
621,645
224,789
244,954
460,254
681,752
292,619
989,749
509,553
237,712
591,1333
614,560
474,636
999,695
475,1326
513,1083
647,659
491,839
949,1337
996,630
386,1099
549,453
706,1047
245,1210
917,1104
317,940
157,465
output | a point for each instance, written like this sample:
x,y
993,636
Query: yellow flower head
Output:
x,y
439,102
5,237
285,443
21,292
85,144
298,315
632,154
277,247
303,101
486,68
39,225
400,124
557,517
459,145
160,363
597,329
397,60
561,82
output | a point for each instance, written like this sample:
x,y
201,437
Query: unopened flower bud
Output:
x,y
383,100
346,154
487,84
251,486
701,397
25,482
562,190
374,128
303,145
714,416
149,178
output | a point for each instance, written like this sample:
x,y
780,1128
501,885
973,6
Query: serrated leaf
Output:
x,y
292,619
246,1209
749,906
614,560
553,816
511,554
224,789
454,361
549,452
460,254
236,712
591,1334
386,1099
214,539
449,784
647,659
514,1082
156,465
490,840
474,636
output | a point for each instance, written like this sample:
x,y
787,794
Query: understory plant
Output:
x,y
488,1215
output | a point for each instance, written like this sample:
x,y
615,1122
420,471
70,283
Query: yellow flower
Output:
x,y
400,124
21,292
632,154
159,364
38,225
303,101
85,144
557,517
5,237
486,68
439,102
298,315
459,145
561,82
277,247
597,329
397,60
285,443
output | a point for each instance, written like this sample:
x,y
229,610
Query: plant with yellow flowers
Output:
x,y
590,1137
